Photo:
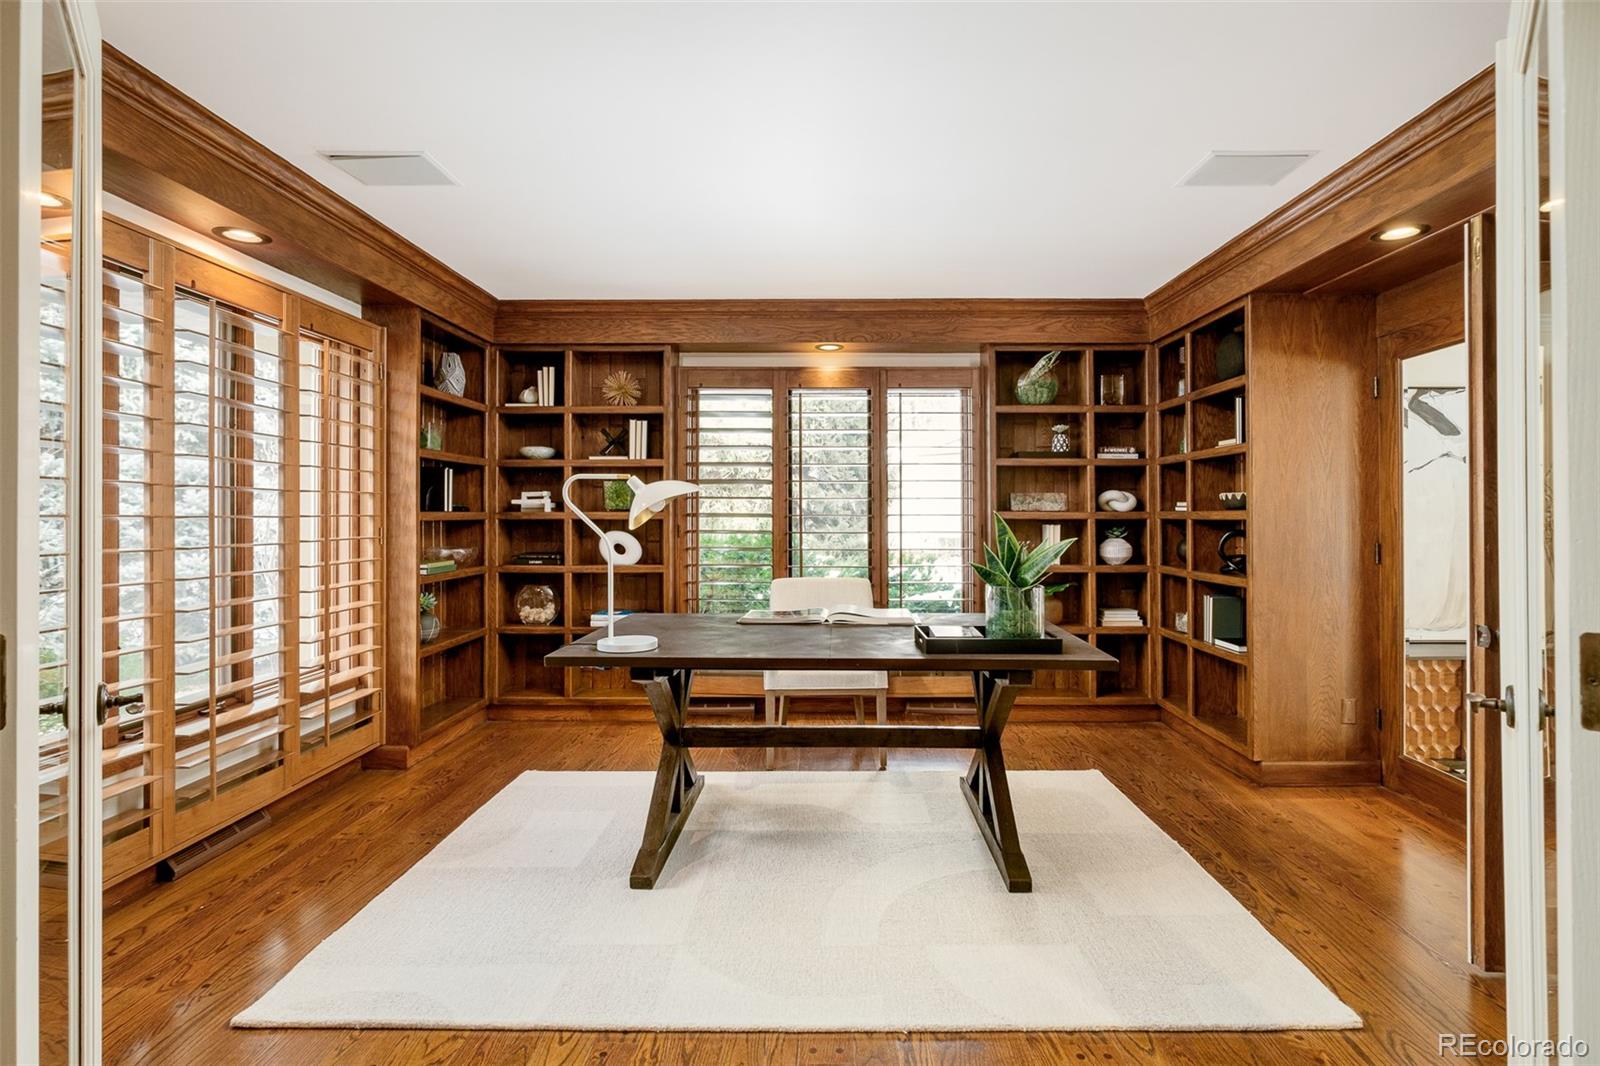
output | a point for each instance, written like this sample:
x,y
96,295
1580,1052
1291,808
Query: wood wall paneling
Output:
x,y
1313,433
892,325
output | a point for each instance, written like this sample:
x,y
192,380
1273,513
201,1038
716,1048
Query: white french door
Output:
x,y
1548,245
50,485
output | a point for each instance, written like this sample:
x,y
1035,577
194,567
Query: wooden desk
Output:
x,y
691,642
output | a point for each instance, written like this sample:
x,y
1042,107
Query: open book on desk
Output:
x,y
844,615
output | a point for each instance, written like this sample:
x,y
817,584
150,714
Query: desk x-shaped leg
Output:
x,y
677,785
985,786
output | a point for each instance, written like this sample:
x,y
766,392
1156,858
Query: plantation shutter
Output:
x,y
340,563
230,559
830,482
930,474
730,525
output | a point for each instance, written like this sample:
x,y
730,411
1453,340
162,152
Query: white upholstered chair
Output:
x,y
800,593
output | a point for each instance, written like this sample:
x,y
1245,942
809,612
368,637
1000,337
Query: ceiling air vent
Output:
x,y
390,168
1245,168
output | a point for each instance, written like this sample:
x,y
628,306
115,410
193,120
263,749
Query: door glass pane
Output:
x,y
1548,670
1436,488
58,368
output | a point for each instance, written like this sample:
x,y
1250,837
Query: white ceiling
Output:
x,y
814,150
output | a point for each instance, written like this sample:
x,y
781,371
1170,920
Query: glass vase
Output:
x,y
1013,614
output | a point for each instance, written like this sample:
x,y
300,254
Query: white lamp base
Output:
x,y
629,644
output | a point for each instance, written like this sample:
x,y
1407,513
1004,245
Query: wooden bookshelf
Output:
x,y
441,687
1297,705
575,425
1017,435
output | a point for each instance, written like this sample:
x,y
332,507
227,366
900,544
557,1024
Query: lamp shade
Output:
x,y
650,500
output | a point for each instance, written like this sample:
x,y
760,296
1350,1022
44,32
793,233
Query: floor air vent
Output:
x,y
225,839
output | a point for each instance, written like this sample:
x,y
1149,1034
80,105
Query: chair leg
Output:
x,y
883,719
772,714
861,712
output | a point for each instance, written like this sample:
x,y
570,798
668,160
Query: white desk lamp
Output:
x,y
623,549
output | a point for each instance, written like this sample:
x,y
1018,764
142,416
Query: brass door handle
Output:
x,y
1477,701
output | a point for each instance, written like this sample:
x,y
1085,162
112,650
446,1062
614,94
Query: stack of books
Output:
x,y
543,389
1050,533
537,558
1222,621
436,566
1121,616
1181,505
638,438
1116,451
1238,424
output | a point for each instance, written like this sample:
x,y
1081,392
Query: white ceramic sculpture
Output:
x,y
452,374
1117,500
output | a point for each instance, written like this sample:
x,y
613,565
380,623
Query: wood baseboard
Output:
x,y
1442,794
1311,774
401,757
578,711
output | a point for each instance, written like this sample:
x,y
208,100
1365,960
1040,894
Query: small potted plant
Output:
x,y
428,628
1013,574
1114,548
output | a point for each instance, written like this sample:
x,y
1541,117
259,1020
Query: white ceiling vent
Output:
x,y
1245,168
390,168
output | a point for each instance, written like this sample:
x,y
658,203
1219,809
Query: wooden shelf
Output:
x,y
615,412
1223,452
519,463
532,516
1205,647
1042,409
451,457
451,575
1065,460
1233,384
1217,516
1211,578
441,713
450,638
523,568
452,516
620,464
1048,516
532,631
433,395
530,409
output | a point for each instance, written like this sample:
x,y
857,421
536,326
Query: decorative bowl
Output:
x,y
1041,390
464,557
537,451
1231,501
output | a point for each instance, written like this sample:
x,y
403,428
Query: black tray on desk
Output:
x,y
932,645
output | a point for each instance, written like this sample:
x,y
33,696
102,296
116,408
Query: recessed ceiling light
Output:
x,y
830,347
239,235
1402,232
52,201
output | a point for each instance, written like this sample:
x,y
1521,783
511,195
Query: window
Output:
x,y
730,527
930,505
830,483
855,473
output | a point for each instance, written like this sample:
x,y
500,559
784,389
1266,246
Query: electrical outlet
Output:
x,y
1349,710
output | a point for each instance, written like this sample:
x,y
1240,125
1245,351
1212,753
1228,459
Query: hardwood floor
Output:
x,y
1364,888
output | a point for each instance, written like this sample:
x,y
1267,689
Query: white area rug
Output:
x,y
803,901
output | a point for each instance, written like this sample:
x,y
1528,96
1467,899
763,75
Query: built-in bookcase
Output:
x,y
1203,454
1103,402
576,423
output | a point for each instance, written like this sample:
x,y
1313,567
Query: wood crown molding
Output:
x,y
223,163
927,325
1442,159
1467,111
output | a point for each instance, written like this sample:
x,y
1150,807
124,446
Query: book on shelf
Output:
x,y
1116,452
1238,425
600,618
1222,620
1181,505
436,490
1050,533
543,558
436,566
638,438
843,615
547,386
1121,616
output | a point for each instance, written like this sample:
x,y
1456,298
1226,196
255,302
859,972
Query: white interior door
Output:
x,y
1573,199
1548,120
50,484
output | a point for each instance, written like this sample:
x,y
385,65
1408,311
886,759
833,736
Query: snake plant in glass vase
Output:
x,y
1013,574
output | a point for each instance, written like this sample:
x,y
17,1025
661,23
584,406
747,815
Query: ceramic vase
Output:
x,y
1114,551
428,628
452,375
1040,390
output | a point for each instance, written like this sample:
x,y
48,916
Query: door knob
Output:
x,y
1477,701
